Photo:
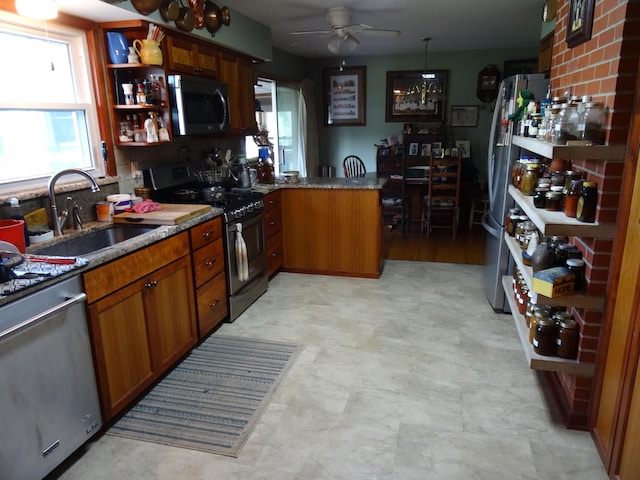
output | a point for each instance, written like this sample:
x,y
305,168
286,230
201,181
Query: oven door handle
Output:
x,y
231,226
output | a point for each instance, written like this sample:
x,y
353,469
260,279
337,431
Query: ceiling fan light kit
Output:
x,y
343,32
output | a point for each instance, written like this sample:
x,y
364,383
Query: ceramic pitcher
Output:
x,y
149,51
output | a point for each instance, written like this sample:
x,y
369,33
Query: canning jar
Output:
x,y
593,123
568,339
566,127
529,179
524,231
571,198
544,338
587,203
539,196
577,267
509,224
553,201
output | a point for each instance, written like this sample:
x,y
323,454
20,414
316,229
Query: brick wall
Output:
x,y
603,67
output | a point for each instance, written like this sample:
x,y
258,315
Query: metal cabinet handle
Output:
x,y
214,304
78,298
151,284
208,233
274,254
211,262
272,222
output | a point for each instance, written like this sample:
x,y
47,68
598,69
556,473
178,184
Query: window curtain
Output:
x,y
309,128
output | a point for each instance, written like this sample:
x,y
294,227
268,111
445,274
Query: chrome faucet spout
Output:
x,y
57,227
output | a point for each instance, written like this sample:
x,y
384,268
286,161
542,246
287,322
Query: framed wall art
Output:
x,y
580,22
464,116
416,95
344,96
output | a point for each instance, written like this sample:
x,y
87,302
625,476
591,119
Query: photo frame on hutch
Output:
x,y
413,149
404,95
580,22
425,151
464,116
344,96
464,147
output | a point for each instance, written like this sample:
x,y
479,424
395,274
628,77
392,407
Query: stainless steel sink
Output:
x,y
94,241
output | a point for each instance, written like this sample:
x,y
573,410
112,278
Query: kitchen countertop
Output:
x,y
109,253
368,182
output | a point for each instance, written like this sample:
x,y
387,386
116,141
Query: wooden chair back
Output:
x,y
353,166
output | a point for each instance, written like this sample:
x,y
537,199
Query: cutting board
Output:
x,y
171,214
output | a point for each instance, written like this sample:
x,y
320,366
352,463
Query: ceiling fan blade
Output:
x,y
312,32
380,33
305,39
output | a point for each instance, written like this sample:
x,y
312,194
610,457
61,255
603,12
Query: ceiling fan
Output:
x,y
343,32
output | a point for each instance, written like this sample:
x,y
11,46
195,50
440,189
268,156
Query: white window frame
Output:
x,y
85,94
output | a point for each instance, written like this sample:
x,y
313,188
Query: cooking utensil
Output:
x,y
212,17
186,194
186,19
213,193
146,7
170,10
225,16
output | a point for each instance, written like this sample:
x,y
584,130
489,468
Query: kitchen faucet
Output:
x,y
58,221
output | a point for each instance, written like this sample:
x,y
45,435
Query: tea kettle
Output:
x,y
244,173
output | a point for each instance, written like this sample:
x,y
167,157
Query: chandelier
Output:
x,y
429,89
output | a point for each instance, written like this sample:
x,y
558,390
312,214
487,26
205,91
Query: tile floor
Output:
x,y
411,376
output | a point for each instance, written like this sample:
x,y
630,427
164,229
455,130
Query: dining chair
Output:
x,y
353,166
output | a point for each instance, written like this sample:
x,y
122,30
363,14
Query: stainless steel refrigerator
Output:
x,y
501,157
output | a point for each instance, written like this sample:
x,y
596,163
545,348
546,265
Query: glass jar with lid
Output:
x,y
529,179
594,118
524,231
568,338
571,198
566,127
544,338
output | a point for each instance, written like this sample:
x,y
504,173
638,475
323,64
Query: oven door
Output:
x,y
253,234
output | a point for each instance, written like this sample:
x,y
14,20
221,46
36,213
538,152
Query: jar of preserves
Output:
x,y
544,338
539,196
553,201
533,322
571,198
559,316
587,203
577,267
594,118
568,339
529,179
571,175
524,231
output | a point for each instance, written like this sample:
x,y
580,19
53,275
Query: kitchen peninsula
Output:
x,y
331,226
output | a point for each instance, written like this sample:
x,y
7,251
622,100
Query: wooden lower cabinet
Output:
x,y
332,231
209,275
273,231
140,329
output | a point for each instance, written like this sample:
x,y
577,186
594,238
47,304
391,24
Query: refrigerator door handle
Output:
x,y
494,232
491,154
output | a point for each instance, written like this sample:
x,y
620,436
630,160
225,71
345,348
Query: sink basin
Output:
x,y
94,241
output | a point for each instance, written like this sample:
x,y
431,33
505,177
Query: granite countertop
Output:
x,y
99,257
368,182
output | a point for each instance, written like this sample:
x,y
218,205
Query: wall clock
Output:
x,y
549,10
488,84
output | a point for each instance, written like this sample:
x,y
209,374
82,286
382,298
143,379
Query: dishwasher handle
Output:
x,y
78,298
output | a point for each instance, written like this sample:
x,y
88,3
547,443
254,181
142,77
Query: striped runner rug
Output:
x,y
213,399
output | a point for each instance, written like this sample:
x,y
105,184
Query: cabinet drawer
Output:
x,y
273,222
208,261
205,233
212,305
272,200
123,271
275,255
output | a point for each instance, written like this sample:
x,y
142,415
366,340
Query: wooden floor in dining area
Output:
x,y
467,248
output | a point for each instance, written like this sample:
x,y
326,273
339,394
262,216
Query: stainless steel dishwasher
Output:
x,y
49,403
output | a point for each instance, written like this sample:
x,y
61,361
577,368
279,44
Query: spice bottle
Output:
x,y
571,199
587,203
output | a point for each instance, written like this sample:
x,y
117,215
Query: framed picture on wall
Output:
x,y
580,22
416,95
344,96
464,116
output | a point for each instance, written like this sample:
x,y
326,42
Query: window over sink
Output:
x,y
48,118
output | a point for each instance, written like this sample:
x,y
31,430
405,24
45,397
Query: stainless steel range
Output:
x,y
244,231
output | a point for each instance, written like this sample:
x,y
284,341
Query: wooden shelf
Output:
x,y
541,362
138,107
614,153
557,223
577,299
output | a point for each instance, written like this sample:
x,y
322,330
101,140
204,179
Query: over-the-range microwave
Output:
x,y
198,105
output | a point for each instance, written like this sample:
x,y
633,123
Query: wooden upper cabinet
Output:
x,y
237,72
185,55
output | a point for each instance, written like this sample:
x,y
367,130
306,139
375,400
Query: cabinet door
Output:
x,y
121,350
180,55
170,313
238,74
207,61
